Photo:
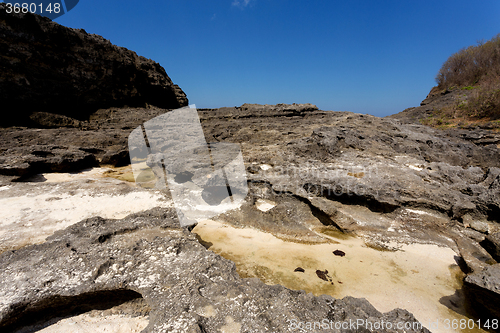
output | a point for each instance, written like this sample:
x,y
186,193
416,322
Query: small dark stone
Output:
x,y
339,253
299,269
322,274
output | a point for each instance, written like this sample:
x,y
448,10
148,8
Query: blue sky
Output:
x,y
375,57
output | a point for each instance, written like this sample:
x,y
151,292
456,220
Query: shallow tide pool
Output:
x,y
423,279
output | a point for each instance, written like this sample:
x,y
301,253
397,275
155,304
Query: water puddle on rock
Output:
x,y
423,279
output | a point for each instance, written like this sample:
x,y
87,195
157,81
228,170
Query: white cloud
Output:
x,y
241,3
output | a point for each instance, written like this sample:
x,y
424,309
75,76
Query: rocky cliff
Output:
x,y
441,109
45,67
384,180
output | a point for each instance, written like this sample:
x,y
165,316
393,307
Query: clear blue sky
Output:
x,y
375,57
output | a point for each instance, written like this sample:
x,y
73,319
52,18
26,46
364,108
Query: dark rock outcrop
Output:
x,y
483,289
380,163
24,161
492,244
45,67
385,179
73,145
364,160
435,100
187,288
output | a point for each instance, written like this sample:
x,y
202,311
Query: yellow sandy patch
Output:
x,y
419,278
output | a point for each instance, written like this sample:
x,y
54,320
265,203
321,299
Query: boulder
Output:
x,y
26,161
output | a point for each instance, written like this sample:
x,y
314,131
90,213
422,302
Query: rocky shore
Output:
x,y
311,173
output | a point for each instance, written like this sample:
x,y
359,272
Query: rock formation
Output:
x,y
73,146
45,67
188,288
385,180
377,178
439,99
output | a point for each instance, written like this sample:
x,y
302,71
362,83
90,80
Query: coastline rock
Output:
x,y
388,180
187,287
24,161
475,257
46,67
74,145
363,160
295,108
483,289
53,201
435,100
344,158
376,178
492,244
441,99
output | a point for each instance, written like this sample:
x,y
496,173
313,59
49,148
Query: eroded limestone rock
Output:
x,y
188,288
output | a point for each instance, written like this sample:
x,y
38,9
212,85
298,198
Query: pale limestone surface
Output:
x,y
32,211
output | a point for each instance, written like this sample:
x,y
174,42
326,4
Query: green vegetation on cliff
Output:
x,y
475,70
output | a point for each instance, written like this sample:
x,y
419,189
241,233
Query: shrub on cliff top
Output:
x,y
475,68
472,65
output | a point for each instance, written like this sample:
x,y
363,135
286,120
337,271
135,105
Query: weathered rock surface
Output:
x,y
438,99
69,144
435,100
188,288
378,178
387,163
492,244
44,158
287,108
477,249
98,141
483,288
387,180
32,211
344,158
45,67
360,159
